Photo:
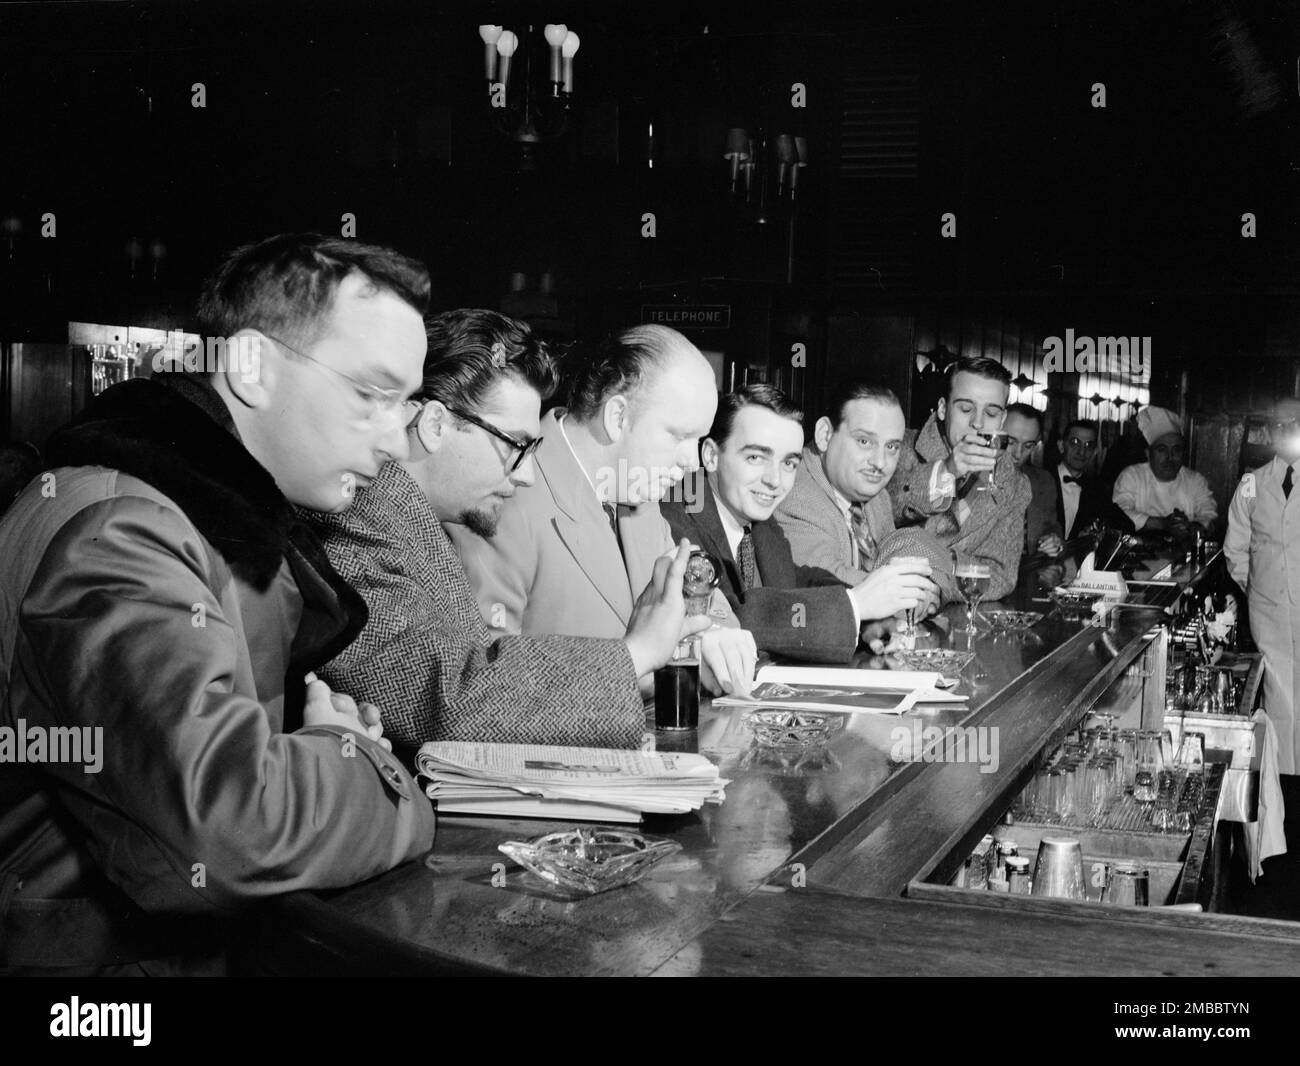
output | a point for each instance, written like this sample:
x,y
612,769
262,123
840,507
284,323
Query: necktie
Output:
x,y
746,561
1286,482
862,535
611,512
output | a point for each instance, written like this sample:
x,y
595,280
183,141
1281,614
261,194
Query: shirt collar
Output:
x,y
569,445
730,525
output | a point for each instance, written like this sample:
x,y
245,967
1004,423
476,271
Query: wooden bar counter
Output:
x,y
805,868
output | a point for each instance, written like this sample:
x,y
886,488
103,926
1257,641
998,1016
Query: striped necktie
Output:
x,y
862,534
746,561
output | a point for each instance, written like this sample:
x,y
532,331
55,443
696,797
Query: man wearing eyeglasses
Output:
x,y
426,656
158,592
1262,547
1083,498
574,550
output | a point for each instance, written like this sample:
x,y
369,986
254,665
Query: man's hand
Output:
x,y
727,660
324,707
1050,544
659,618
896,586
971,456
878,634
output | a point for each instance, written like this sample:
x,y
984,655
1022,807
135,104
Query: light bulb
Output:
x,y
555,34
490,35
569,49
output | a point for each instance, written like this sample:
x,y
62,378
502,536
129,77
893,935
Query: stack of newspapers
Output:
x,y
546,781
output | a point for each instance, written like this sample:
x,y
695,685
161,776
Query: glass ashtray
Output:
x,y
1074,605
590,859
945,661
1011,621
793,729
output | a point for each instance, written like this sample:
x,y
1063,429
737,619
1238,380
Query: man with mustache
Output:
x,y
426,656
837,515
574,549
751,458
965,491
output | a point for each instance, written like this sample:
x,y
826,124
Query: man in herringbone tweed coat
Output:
x,y
426,656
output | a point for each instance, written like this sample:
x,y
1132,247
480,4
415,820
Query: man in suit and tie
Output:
x,y
1082,497
837,515
750,459
573,550
425,654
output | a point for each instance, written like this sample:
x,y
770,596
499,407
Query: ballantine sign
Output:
x,y
1130,356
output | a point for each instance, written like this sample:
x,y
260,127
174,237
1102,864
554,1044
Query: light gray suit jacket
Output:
x,y
554,565
816,528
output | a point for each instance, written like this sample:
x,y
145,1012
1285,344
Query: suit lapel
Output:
x,y
581,522
709,522
812,463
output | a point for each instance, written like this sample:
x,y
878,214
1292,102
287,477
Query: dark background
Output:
x,y
1117,221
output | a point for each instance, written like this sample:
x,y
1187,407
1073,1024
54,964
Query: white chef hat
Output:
x,y
1156,422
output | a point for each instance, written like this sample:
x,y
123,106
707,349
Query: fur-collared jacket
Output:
x,y
158,593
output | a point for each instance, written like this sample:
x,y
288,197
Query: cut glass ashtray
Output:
x,y
590,859
1073,604
1011,621
793,729
947,662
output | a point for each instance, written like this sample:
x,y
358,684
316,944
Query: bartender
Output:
x,y
1162,493
1263,552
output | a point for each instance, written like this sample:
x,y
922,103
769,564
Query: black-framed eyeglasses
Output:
x,y
1086,445
524,448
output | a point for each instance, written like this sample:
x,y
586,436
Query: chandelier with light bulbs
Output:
x,y
525,108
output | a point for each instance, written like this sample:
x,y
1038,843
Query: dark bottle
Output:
x,y
677,685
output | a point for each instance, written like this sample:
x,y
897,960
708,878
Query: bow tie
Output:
x,y
1068,480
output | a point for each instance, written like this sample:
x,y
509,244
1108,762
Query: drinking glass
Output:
x,y
972,583
1098,779
907,630
1191,753
1164,812
1148,762
991,439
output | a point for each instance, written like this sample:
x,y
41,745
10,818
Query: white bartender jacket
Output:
x,y
1262,547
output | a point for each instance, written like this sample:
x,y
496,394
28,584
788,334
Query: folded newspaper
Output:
x,y
812,688
548,781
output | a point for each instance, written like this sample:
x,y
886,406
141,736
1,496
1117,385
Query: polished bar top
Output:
x,y
466,903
